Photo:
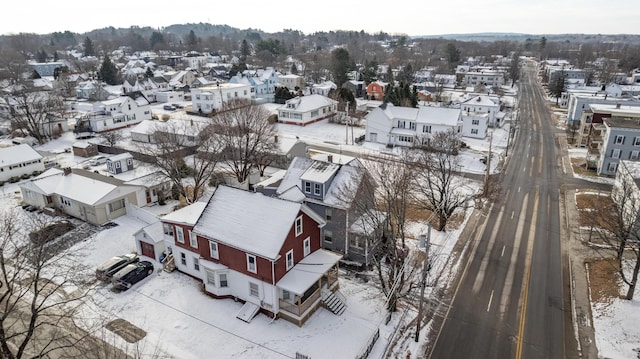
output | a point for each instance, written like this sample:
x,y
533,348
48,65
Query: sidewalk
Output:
x,y
576,253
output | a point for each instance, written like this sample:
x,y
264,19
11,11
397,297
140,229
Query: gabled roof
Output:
x,y
307,103
480,101
80,185
250,221
186,215
18,154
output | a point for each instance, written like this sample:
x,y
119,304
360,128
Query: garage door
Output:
x,y
147,250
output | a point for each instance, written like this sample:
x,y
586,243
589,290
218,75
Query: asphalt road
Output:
x,y
511,300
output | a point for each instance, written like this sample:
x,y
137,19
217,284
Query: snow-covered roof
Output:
x,y
148,180
115,101
307,103
293,194
186,215
308,271
295,170
154,231
120,157
80,186
344,186
320,172
249,221
145,127
18,154
480,101
438,115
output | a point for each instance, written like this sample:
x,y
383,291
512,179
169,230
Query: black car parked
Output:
x,y
132,274
106,270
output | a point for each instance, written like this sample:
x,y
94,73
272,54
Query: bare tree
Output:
x,y
572,131
112,137
246,135
37,311
382,203
620,228
437,185
185,148
34,112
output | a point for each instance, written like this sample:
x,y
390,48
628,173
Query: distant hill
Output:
x,y
506,36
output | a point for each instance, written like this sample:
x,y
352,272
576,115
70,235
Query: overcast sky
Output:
x,y
400,16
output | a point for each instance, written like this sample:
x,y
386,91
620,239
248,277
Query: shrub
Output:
x,y
36,173
14,179
25,176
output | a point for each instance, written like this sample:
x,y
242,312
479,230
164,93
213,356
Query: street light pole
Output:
x,y
423,282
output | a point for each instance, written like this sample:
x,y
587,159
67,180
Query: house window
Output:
x,y
636,141
289,259
179,234
254,290
286,294
401,124
196,263
114,206
183,259
328,213
211,277
193,240
355,242
412,125
307,187
213,250
634,155
619,140
474,131
314,113
316,189
251,263
306,245
615,153
328,236
612,167
475,122
298,226
426,128
223,280
117,164
168,229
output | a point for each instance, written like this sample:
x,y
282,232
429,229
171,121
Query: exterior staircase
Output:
x,y
334,301
168,263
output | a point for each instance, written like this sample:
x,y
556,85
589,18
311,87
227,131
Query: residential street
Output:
x,y
512,298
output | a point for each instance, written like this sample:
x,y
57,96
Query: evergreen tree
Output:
x,y
55,55
452,54
156,38
294,69
41,56
340,65
88,47
108,72
244,49
191,40
148,73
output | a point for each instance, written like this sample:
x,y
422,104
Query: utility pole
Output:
x,y
346,126
423,282
488,171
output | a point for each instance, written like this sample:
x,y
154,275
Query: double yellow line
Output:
x,y
527,277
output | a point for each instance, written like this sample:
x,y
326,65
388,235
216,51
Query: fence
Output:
x,y
372,341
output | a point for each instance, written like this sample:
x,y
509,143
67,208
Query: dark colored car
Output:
x,y
132,274
106,270
50,231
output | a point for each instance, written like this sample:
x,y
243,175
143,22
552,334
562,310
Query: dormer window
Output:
x,y
307,187
317,188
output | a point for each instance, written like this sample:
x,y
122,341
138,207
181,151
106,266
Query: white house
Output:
x,y
307,109
475,125
406,126
206,99
83,194
482,104
120,112
16,161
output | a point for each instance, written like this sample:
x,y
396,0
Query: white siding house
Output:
x,y
307,109
18,160
209,98
406,126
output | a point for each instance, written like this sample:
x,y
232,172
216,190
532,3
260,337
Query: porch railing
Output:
x,y
299,309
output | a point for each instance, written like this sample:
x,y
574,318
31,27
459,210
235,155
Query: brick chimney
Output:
x,y
67,171
330,158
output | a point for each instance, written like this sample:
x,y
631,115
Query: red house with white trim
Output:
x,y
261,250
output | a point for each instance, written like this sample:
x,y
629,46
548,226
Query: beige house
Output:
x,y
86,195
